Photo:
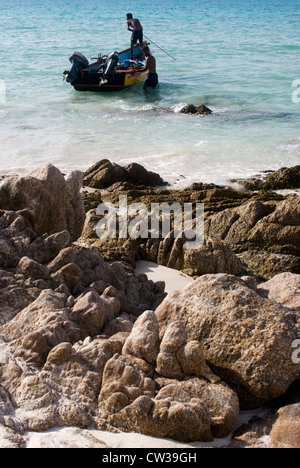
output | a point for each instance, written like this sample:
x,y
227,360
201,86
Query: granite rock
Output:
x,y
50,201
286,431
284,289
105,173
186,407
246,339
264,234
200,109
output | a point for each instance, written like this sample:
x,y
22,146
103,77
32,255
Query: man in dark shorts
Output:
x,y
134,25
150,66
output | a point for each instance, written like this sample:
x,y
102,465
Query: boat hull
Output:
x,y
88,81
121,77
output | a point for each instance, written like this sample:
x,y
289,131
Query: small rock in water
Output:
x,y
201,109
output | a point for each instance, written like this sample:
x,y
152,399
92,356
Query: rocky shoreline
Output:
x,y
250,231
85,343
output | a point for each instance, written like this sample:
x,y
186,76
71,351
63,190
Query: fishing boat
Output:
x,y
114,72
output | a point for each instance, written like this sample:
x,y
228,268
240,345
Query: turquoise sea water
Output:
x,y
239,57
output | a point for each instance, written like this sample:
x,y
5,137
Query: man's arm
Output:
x,y
129,25
145,68
149,64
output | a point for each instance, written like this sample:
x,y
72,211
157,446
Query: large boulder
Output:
x,y
282,179
141,294
259,224
16,293
137,174
105,173
144,338
247,339
182,418
19,240
51,355
266,235
221,401
284,289
192,403
49,315
286,431
92,311
179,357
213,257
51,201
64,392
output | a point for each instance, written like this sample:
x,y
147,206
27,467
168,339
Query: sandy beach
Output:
x,y
74,437
174,279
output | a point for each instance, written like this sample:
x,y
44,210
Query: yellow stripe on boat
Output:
x,y
133,77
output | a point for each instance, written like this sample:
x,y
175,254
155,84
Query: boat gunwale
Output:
x,y
120,53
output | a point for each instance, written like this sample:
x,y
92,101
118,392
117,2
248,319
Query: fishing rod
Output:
x,y
159,47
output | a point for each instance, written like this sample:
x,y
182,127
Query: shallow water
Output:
x,y
239,57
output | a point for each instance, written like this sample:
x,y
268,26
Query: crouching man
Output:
x,y
150,67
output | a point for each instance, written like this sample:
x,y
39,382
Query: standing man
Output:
x,y
150,66
135,26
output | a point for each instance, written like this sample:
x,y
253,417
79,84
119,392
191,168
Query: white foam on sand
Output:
x,y
288,192
74,437
174,279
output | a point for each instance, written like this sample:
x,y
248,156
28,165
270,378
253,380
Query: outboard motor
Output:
x,y
110,63
79,62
